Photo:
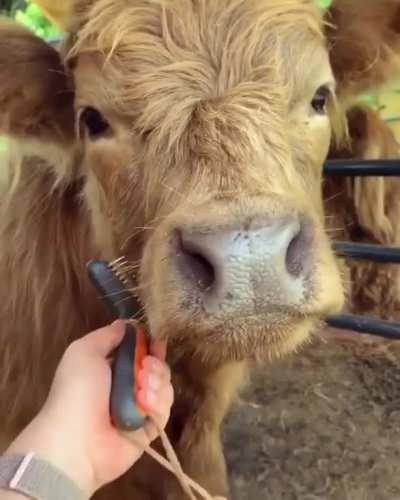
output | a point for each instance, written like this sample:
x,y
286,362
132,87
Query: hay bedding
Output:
x,y
322,425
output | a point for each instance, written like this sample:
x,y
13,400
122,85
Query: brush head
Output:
x,y
112,284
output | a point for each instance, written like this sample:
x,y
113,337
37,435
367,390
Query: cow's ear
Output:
x,y
36,99
364,39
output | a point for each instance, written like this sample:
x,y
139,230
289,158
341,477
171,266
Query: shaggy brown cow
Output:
x,y
188,135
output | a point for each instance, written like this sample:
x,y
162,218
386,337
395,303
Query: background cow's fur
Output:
x,y
366,210
58,205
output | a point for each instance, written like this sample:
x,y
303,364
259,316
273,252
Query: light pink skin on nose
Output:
x,y
261,264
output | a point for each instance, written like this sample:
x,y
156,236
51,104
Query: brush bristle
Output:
x,y
120,267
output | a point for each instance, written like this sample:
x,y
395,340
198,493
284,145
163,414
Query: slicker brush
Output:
x,y
112,284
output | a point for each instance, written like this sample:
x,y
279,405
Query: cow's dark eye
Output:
x,y
320,100
94,122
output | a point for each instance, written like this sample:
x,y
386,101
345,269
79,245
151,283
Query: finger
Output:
x,y
147,399
150,381
103,341
158,348
153,365
157,403
166,402
161,414
153,380
146,381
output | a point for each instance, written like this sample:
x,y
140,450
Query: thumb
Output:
x,y
103,341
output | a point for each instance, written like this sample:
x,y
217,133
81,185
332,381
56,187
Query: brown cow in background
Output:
x,y
189,136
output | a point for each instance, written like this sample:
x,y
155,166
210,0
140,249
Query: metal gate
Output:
x,y
362,251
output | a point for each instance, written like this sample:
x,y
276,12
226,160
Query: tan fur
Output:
x,y
371,29
211,123
23,112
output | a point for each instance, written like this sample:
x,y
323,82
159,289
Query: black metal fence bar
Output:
x,y
363,251
362,168
363,324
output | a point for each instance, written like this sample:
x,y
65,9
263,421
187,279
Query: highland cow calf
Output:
x,y
189,136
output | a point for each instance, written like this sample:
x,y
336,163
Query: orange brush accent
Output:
x,y
141,352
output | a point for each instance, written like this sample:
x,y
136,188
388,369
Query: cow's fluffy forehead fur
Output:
x,y
205,84
167,63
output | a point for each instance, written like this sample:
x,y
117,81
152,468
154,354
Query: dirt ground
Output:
x,y
322,425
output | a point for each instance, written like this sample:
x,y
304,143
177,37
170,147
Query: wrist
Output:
x,y
33,477
59,449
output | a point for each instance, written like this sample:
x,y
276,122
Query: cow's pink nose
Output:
x,y
261,263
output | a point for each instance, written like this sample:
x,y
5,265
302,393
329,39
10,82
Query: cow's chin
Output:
x,y
261,337
213,341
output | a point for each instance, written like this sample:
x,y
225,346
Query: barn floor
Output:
x,y
323,425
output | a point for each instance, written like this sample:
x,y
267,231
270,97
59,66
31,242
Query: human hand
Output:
x,y
73,431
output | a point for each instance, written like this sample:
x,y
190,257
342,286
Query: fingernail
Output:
x,y
118,322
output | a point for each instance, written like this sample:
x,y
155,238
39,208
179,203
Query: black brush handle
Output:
x,y
364,251
363,324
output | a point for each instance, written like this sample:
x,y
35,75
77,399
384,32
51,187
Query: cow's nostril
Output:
x,y
299,251
193,264
264,260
